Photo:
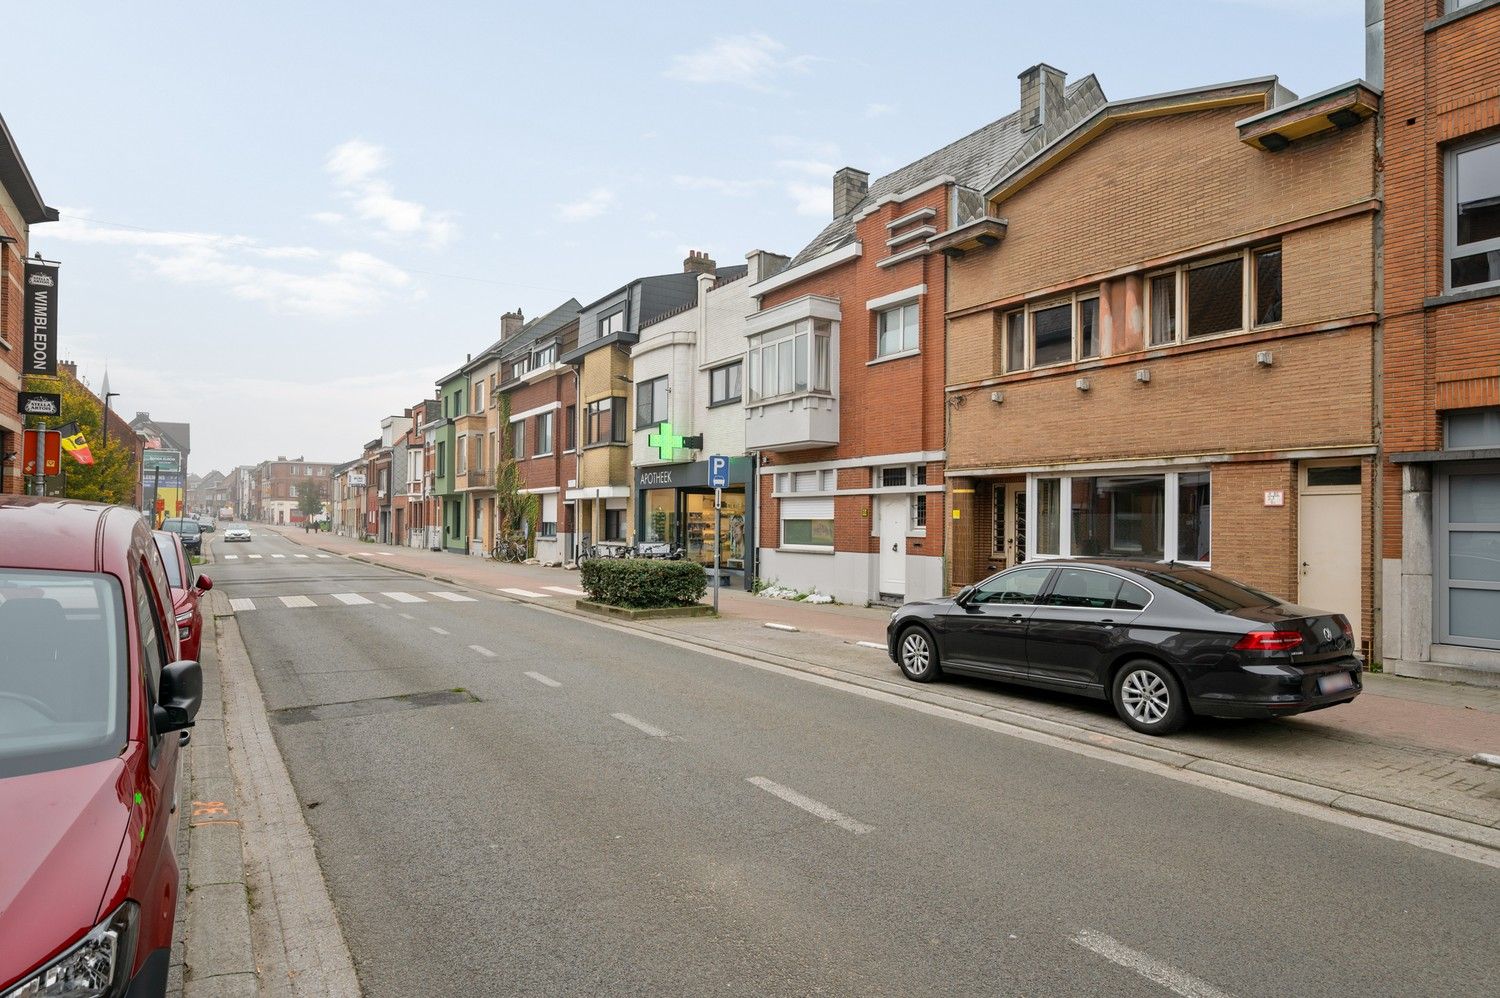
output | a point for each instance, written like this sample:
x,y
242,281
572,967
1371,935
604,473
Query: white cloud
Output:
x,y
755,61
592,205
293,279
721,186
877,110
355,166
327,217
815,200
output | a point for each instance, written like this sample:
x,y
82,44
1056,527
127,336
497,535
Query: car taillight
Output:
x,y
1269,641
1344,625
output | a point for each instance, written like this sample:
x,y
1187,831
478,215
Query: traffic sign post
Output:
x,y
718,477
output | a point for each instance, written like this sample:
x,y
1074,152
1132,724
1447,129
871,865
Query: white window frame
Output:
x,y
1170,510
608,326
545,357
908,336
518,439
1450,218
545,421
815,355
781,521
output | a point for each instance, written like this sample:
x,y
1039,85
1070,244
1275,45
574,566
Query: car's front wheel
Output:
x,y
1149,698
918,655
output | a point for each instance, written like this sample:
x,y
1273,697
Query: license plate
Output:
x,y
1335,682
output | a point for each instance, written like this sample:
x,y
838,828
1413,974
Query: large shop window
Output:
x,y
807,523
1208,297
1156,516
783,360
1473,216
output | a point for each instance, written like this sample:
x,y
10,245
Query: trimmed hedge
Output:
x,y
643,583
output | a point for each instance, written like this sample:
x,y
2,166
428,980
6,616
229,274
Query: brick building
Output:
x,y
542,436
1166,347
845,368
280,484
21,207
1440,540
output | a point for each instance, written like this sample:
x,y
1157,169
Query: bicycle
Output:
x,y
509,550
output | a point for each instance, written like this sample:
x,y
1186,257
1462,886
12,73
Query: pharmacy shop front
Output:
x,y
675,505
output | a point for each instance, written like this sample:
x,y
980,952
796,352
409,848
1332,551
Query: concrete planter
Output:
x,y
650,613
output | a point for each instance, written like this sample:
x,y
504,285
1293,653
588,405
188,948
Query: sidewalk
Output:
x,y
1400,752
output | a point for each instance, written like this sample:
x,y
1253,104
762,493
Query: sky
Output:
x,y
282,221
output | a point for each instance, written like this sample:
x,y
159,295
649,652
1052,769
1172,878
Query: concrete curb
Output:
x,y
1439,825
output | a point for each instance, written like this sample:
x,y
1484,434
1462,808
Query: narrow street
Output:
x,y
504,800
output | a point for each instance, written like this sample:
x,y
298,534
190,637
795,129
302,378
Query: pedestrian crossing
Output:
x,y
244,604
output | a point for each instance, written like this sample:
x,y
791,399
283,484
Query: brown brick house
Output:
x,y
844,374
1161,344
1441,524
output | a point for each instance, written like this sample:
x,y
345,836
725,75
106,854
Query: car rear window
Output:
x,y
1213,591
63,671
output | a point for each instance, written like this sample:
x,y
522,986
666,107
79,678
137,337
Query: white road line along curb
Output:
x,y
566,591
871,644
813,807
640,725
782,627
1486,759
1153,970
543,679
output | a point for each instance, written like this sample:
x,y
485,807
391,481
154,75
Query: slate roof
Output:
x,y
538,329
972,161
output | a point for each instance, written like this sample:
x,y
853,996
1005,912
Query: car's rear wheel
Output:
x,y
1149,698
918,655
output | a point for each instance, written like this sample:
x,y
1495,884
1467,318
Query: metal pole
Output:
x,y
40,479
718,540
155,492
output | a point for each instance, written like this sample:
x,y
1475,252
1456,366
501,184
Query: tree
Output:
x,y
112,476
310,501
512,506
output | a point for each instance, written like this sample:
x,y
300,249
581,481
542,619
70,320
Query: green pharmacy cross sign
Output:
x,y
665,441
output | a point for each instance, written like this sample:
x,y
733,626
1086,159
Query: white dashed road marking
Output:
x,y
325,556
524,592
278,556
454,597
871,644
811,806
437,630
350,599
404,597
565,590
640,725
482,650
241,604
257,556
299,556
231,557
295,601
1148,967
386,554
782,627
544,680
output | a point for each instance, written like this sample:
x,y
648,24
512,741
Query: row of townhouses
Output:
x,y
1226,325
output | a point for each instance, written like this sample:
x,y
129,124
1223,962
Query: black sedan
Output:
x,y
1159,641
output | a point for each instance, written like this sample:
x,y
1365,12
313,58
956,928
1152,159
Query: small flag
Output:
x,y
75,444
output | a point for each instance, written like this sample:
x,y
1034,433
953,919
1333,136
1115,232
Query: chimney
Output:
x,y
1375,42
698,262
764,264
849,185
1042,88
510,324
68,367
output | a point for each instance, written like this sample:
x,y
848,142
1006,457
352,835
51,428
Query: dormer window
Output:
x,y
544,357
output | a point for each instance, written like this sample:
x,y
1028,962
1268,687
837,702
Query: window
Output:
x,y
806,481
1467,555
807,522
548,527
896,330
518,439
724,383
1051,332
1337,474
463,455
606,421
545,357
442,457
1473,216
1088,328
1453,5
1052,335
1081,589
478,393
1152,516
155,651
651,403
1206,298
572,428
544,434
780,359
1018,587
1471,429
519,368
614,524
611,324
893,478
1015,341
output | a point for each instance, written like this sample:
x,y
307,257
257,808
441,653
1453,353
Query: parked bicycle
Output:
x,y
510,549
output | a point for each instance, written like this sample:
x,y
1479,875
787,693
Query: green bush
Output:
x,y
642,583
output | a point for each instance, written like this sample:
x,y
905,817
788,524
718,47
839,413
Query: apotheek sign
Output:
x,y
39,404
39,351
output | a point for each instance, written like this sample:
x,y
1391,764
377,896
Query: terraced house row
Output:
x,y
1225,325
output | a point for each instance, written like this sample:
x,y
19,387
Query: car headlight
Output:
x,y
98,967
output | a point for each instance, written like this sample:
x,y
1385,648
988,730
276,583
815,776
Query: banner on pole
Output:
x,y
39,355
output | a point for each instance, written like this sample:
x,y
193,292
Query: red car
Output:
x,y
92,695
186,594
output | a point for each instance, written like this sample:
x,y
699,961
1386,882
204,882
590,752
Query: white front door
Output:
x,y
893,516
1328,540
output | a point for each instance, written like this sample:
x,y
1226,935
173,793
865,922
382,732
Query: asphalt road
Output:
x,y
614,815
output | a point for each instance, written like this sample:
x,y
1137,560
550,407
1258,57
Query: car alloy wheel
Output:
x,y
918,656
1145,696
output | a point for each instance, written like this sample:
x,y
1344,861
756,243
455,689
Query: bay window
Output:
x,y
1157,516
1223,295
1473,216
605,421
782,359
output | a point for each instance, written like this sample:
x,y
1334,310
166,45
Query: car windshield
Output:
x,y
63,671
169,557
181,526
1213,591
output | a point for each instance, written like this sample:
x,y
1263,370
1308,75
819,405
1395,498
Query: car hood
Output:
x,y
939,601
60,839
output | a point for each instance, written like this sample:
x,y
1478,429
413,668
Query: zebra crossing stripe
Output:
x,y
325,556
296,601
404,597
241,604
453,597
231,557
278,556
350,599
565,590
524,592
299,556
257,556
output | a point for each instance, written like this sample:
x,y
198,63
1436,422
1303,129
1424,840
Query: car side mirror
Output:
x,y
963,595
205,583
180,697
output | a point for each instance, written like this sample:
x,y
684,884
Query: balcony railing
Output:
x,y
479,479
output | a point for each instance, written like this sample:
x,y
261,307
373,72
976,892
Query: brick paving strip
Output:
x,y
1400,754
256,918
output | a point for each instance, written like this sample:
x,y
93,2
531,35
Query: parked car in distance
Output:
x,y
1159,641
206,524
189,530
187,593
236,532
88,750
